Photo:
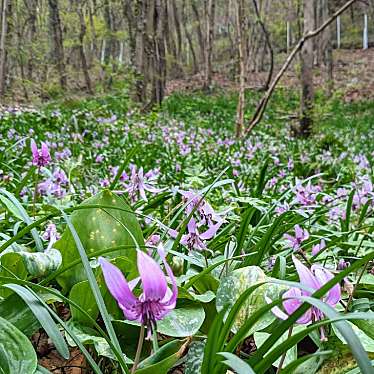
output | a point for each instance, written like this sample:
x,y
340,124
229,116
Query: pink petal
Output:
x,y
153,279
117,284
292,303
45,151
34,148
211,231
305,275
323,276
276,310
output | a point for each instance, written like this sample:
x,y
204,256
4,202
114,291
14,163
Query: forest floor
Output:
x,y
353,76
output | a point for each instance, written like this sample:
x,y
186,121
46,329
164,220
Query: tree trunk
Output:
x,y
199,31
189,38
82,33
209,43
307,89
32,17
141,82
240,25
159,76
58,48
327,47
3,38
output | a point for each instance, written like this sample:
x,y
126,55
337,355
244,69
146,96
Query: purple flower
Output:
x,y
153,240
99,159
301,235
51,234
195,240
139,183
156,300
40,157
314,278
318,247
205,210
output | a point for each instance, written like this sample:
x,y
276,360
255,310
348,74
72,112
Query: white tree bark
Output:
x,y
365,42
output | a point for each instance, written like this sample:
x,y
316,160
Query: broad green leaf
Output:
x,y
81,294
366,341
37,263
42,263
367,326
98,229
236,363
15,310
17,354
15,264
182,322
164,359
235,284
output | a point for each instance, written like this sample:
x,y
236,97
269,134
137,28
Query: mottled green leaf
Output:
x,y
236,283
366,341
17,354
181,322
194,357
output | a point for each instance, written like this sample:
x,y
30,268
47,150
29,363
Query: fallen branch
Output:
x,y
311,34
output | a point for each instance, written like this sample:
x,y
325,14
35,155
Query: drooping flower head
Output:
x,y
40,157
314,279
156,300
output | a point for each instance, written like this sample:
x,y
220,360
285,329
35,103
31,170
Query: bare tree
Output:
x,y
210,15
82,33
3,38
306,73
327,47
58,47
240,26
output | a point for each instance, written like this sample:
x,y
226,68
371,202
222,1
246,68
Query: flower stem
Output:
x,y
138,349
284,353
35,192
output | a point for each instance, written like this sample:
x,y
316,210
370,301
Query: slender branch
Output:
x,y
311,34
268,43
